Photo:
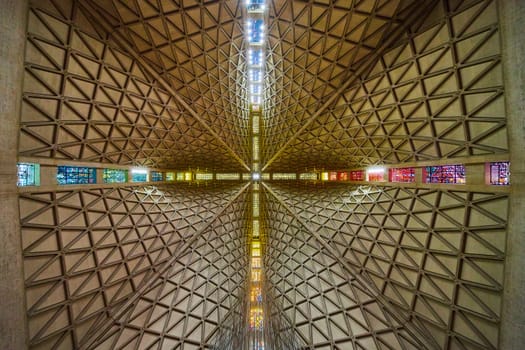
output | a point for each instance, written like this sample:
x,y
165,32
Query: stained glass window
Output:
x,y
499,173
228,176
255,75
69,175
255,57
255,5
170,176
284,176
28,174
255,231
139,175
255,148
255,204
255,126
401,174
115,176
357,175
256,31
376,174
156,176
445,174
308,176
203,176
342,176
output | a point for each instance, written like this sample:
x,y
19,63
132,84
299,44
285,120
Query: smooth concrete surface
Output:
x,y
13,328
512,20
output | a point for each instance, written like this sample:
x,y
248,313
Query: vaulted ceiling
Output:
x,y
350,83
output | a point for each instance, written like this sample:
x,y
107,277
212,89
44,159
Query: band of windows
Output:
x,y
496,173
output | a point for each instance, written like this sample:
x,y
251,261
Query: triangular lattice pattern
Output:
x,y
87,251
184,308
86,99
436,94
327,306
164,86
199,50
436,255
312,48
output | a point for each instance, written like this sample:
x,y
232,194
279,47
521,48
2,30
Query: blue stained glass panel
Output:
x,y
156,176
256,31
445,174
70,175
139,176
115,176
28,174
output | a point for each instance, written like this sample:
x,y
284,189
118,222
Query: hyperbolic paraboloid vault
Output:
x,y
259,119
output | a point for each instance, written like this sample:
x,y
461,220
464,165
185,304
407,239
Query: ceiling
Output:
x,y
347,84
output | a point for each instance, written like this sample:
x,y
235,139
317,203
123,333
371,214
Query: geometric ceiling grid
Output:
x,y
87,252
436,94
327,306
312,49
85,99
162,84
198,49
436,256
186,305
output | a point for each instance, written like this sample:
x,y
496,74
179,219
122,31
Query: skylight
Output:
x,y
255,6
255,57
255,31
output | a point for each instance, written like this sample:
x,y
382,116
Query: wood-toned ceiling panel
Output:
x,y
198,49
435,94
312,49
435,256
86,99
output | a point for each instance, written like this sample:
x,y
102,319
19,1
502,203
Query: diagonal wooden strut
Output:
x,y
411,325
124,308
118,37
418,9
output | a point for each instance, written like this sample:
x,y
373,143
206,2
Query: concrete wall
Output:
x,y
13,16
512,14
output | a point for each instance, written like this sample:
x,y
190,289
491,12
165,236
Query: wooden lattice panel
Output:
x,y
312,46
326,306
87,251
437,256
186,306
85,99
199,50
437,94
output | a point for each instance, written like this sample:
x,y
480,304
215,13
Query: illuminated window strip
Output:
x,y
228,176
308,176
256,148
284,176
255,204
255,124
255,229
203,176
